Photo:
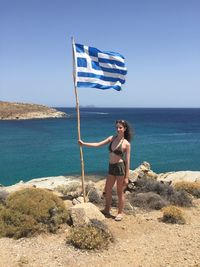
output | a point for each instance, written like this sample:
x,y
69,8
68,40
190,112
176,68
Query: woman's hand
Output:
x,y
125,181
80,142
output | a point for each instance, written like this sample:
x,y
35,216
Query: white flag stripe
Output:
x,y
95,80
84,55
117,58
111,66
100,72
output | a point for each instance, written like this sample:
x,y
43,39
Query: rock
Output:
x,y
142,171
180,176
77,200
16,187
145,168
141,174
152,174
83,213
52,182
133,175
146,164
131,186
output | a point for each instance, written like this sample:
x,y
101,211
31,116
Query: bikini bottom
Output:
x,y
117,169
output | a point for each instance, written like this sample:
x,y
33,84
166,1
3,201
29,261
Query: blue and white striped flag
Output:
x,y
98,69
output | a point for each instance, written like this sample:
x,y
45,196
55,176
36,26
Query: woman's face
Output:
x,y
120,128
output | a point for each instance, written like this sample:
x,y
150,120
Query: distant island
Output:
x,y
24,111
88,106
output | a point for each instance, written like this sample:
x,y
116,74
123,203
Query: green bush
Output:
x,y
95,235
172,214
31,211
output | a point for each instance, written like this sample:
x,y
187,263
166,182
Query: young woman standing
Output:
x,y
119,164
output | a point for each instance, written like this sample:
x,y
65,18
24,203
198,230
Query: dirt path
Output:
x,y
141,241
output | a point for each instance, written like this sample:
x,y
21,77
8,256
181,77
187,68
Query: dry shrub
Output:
x,y
94,196
157,195
180,198
68,188
95,235
172,214
151,185
148,200
31,211
192,188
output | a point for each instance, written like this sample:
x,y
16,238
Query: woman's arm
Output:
x,y
101,143
127,163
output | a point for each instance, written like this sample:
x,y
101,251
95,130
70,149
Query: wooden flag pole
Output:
x,y
78,124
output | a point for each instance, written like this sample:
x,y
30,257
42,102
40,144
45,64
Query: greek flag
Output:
x,y
98,69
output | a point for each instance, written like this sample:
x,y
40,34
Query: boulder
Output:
x,y
83,213
142,171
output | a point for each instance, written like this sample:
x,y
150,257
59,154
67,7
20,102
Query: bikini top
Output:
x,y
118,151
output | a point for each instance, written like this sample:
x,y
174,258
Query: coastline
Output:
x,y
52,182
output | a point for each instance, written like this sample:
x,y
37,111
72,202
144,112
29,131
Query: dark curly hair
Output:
x,y
128,134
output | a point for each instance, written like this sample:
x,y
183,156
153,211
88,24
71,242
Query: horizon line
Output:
x,y
125,107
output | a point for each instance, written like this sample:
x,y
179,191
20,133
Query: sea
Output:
x,y
167,138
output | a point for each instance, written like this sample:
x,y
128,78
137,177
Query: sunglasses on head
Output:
x,y
121,121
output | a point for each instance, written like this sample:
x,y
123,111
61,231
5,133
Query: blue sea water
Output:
x,y
169,139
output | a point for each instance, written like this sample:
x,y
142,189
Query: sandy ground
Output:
x,y
141,241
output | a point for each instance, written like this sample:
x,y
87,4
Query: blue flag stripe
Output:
x,y
98,71
111,61
96,85
123,72
100,77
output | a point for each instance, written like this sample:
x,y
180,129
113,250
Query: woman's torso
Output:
x,y
117,150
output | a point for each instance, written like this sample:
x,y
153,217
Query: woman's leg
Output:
x,y
110,181
120,193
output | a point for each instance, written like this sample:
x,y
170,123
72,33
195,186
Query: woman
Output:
x,y
119,164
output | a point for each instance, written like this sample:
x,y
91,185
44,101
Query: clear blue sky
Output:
x,y
160,40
